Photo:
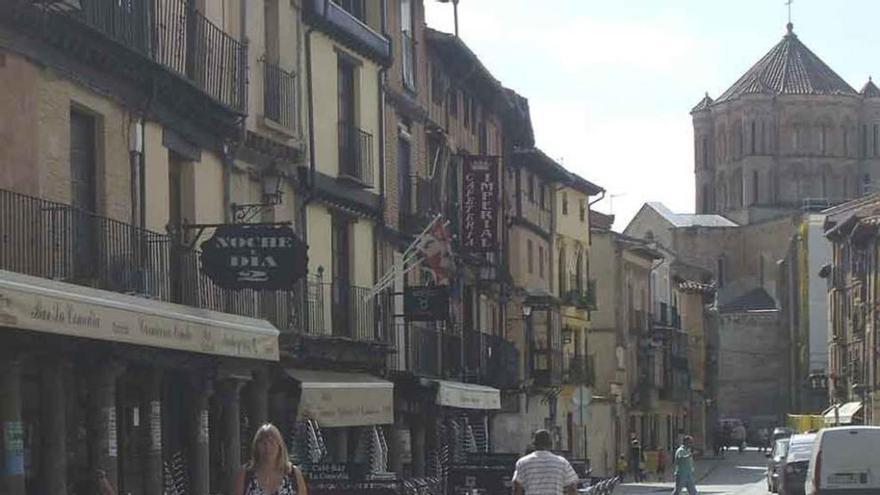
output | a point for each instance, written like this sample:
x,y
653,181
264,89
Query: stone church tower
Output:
x,y
789,131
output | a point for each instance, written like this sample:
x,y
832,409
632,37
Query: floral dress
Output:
x,y
252,487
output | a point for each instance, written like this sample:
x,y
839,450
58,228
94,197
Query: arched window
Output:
x,y
755,189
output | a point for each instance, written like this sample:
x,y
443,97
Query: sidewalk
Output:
x,y
703,467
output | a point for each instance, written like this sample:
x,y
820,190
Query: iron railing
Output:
x,y
547,367
355,153
491,360
174,35
578,369
428,351
57,241
279,96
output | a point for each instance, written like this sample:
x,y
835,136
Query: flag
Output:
x,y
436,247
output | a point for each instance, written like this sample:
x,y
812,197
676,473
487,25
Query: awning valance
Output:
x,y
344,399
43,305
843,415
467,395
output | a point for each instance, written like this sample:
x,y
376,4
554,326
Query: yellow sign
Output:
x,y
42,305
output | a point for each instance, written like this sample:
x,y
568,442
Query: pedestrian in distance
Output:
x,y
636,460
621,467
269,471
661,465
684,467
543,472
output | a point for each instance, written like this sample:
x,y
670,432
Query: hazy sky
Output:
x,y
611,82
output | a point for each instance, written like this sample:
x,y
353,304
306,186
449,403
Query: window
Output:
x,y
754,135
583,211
564,203
436,85
353,7
541,261
347,115
864,141
755,188
452,105
272,38
408,46
531,182
404,177
476,111
530,262
761,269
483,136
466,103
341,250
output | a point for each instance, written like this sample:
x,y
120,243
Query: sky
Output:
x,y
611,83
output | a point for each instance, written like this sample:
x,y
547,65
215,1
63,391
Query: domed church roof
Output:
x,y
790,68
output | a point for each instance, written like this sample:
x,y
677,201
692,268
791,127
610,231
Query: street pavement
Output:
x,y
735,474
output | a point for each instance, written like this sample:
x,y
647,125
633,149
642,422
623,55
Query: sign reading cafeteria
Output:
x,y
479,209
262,257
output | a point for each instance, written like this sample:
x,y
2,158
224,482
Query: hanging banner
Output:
x,y
479,204
262,257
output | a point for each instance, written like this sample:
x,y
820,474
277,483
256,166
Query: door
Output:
x,y
346,115
341,286
83,194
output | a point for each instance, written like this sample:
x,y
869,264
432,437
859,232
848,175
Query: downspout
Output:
x,y
379,250
310,181
600,198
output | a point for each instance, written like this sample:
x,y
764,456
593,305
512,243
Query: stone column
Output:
x,y
53,450
12,478
200,461
230,398
418,448
104,447
152,413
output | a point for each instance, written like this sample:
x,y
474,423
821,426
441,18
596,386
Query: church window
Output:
x,y
755,199
705,145
876,137
864,141
823,139
754,135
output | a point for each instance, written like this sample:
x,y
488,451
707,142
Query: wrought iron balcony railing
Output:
x,y
428,351
279,96
57,241
578,369
491,360
172,34
355,154
547,367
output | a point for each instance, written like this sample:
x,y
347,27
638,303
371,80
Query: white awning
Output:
x,y
467,395
844,413
43,305
344,399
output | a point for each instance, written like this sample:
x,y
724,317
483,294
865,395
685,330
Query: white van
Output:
x,y
845,462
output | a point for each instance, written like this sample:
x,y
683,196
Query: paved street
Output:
x,y
736,474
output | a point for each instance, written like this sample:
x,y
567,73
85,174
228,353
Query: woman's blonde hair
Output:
x,y
281,462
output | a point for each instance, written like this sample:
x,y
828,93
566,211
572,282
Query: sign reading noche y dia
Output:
x,y
479,203
263,257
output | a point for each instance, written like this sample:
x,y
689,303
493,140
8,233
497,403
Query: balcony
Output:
x,y
349,28
279,96
491,360
547,367
667,318
355,155
59,242
535,214
428,351
419,203
578,370
166,32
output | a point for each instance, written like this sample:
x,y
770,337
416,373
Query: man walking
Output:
x,y
684,467
542,472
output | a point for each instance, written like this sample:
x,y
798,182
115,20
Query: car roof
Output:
x,y
804,438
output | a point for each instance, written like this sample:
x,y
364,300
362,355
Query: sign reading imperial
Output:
x,y
479,211
263,257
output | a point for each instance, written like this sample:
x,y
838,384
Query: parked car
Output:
x,y
793,469
845,462
781,432
776,456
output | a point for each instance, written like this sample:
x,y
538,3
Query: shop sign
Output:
x,y
327,471
48,306
262,257
479,203
426,303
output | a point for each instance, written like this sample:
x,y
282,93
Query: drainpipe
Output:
x,y
600,198
310,182
381,80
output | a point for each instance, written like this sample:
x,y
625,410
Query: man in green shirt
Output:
x,y
684,467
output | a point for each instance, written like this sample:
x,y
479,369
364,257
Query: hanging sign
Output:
x,y
426,303
262,257
479,203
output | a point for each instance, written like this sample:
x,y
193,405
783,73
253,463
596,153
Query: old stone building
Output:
x,y
789,130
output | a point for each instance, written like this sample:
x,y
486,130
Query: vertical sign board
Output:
x,y
479,204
